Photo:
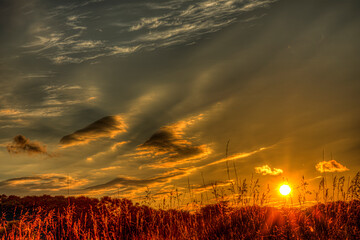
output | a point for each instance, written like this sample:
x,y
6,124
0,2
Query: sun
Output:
x,y
285,190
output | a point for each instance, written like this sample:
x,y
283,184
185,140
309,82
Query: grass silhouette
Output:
x,y
58,217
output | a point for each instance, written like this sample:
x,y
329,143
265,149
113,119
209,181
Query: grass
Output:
x,y
335,216
108,218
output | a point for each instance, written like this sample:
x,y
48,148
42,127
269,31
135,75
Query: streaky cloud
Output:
x,y
135,182
186,21
236,156
49,182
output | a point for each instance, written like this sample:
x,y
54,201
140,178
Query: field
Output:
x,y
239,211
47,217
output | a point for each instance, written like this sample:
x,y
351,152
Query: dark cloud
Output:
x,y
165,140
108,126
330,166
169,145
22,144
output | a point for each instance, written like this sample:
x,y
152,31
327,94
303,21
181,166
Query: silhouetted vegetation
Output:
x,y
49,217
240,211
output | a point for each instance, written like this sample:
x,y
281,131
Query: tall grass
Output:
x,y
239,211
243,192
121,219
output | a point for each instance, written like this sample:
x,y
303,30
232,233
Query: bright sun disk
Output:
x,y
285,190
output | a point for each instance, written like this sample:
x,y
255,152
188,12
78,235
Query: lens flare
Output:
x,y
285,190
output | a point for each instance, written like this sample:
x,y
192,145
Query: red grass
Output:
x,y
87,218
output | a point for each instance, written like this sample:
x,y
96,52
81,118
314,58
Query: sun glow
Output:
x,y
285,190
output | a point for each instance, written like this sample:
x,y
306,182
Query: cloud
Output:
x,y
152,22
266,170
123,50
123,181
44,100
236,156
330,166
170,147
111,150
64,95
165,141
134,188
135,182
188,20
43,182
22,144
199,188
64,37
9,112
108,126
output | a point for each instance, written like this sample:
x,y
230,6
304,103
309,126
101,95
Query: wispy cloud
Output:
x,y
236,156
22,144
123,50
267,170
66,44
152,22
9,112
43,101
103,154
187,20
62,95
210,186
135,182
108,126
43,182
37,111
330,166
64,37
134,188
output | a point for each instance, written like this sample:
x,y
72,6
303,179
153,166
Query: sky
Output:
x,y
116,98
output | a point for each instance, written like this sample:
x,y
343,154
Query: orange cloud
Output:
x,y
22,144
266,170
108,126
43,182
9,112
110,168
330,166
